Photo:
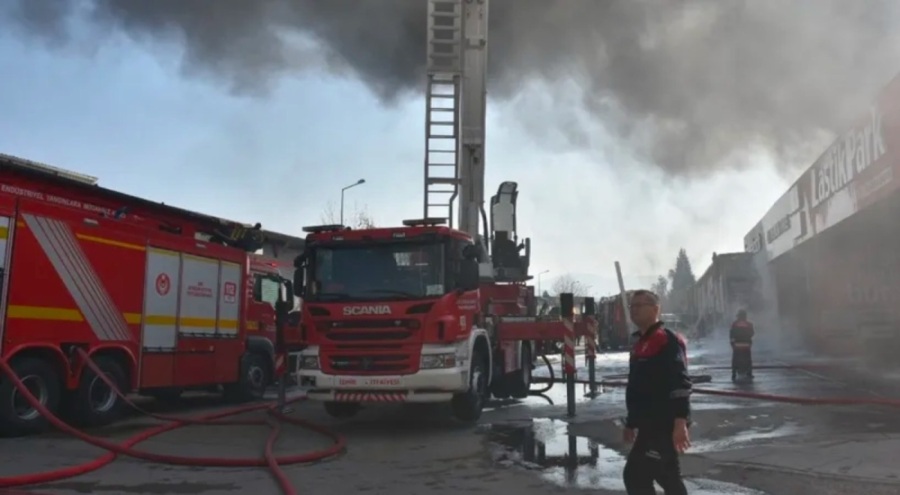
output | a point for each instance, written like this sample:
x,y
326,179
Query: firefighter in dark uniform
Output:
x,y
742,333
658,400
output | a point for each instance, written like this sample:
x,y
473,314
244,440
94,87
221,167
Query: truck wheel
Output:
x,y
94,403
519,383
253,380
17,417
467,406
342,410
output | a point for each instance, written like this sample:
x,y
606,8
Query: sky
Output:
x,y
124,109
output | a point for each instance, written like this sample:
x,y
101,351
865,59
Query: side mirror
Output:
x,y
283,307
470,252
469,277
297,287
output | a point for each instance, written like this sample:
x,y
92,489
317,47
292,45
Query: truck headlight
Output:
x,y
309,362
436,361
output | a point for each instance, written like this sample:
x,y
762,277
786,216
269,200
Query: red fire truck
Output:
x,y
426,312
163,299
614,329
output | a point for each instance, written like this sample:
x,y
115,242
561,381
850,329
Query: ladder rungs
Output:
x,y
441,78
442,180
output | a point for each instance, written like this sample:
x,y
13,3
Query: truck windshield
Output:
x,y
401,270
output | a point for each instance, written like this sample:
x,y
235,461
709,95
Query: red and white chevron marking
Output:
x,y
280,367
590,350
569,344
370,397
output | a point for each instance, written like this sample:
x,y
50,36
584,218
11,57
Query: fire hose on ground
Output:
x,y
274,419
610,381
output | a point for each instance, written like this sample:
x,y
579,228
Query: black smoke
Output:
x,y
687,83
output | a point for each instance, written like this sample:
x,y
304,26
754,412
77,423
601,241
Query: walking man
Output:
x,y
658,401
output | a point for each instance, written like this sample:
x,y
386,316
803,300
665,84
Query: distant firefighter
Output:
x,y
741,335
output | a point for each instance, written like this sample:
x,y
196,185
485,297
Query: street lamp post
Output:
x,y
540,294
360,181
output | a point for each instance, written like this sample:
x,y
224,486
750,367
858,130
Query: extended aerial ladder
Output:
x,y
456,100
456,103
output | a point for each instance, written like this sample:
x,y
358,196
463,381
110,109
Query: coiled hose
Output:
x,y
269,459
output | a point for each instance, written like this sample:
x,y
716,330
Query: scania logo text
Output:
x,y
381,309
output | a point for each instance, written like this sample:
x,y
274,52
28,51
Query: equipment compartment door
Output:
x,y
228,345
159,334
195,362
7,213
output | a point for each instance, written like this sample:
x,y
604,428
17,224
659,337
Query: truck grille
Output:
x,y
374,331
373,335
369,362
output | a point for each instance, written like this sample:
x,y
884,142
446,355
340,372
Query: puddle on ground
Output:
x,y
545,447
746,438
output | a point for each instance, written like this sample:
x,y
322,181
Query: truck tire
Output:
x,y
94,403
254,378
342,410
17,417
467,406
519,382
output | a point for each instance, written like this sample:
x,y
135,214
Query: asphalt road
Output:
x,y
525,447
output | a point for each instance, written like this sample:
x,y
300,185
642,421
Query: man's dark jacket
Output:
x,y
659,386
742,332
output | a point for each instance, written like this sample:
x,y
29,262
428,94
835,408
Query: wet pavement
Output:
x,y
740,446
546,447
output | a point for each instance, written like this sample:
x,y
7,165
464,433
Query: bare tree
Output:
x,y
358,217
362,219
329,216
567,284
661,288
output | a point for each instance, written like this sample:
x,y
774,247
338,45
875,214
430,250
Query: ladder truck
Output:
x,y
426,312
162,299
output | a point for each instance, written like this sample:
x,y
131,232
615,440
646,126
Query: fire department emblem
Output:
x,y
229,290
163,284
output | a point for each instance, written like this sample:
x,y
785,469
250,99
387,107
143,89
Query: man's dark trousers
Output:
x,y
653,458
738,354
